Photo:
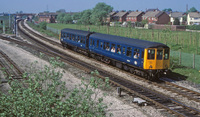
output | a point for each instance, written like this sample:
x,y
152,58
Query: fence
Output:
x,y
184,59
57,31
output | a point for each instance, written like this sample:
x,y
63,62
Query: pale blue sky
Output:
x,y
36,6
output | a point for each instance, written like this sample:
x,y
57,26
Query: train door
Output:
x,y
159,58
137,57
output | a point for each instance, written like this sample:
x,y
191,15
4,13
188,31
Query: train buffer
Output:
x,y
140,101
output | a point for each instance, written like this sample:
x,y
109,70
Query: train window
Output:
x,y
97,44
106,46
90,42
142,54
129,51
73,37
136,53
101,44
166,54
151,54
123,50
118,49
113,48
78,39
69,36
93,43
159,54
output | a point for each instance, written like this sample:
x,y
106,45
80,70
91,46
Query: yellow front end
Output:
x,y
156,59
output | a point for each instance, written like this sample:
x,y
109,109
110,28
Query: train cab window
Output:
x,y
113,49
136,53
97,44
159,54
151,54
166,53
118,49
129,51
123,50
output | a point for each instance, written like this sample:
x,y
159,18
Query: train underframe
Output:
x,y
148,74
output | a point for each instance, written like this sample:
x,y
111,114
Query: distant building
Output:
x,y
110,16
193,18
120,16
47,17
134,16
156,17
174,15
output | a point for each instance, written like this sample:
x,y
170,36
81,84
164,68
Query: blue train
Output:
x,y
146,58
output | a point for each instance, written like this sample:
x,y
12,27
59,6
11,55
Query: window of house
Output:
x,y
151,54
129,51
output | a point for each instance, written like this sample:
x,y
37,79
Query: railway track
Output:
x,y
153,97
10,67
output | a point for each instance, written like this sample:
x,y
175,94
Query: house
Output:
x,y
134,16
47,17
110,16
156,17
193,18
120,16
174,15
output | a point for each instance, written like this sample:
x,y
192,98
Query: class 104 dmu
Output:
x,y
148,59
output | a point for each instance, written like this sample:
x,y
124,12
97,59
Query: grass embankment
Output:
x,y
178,71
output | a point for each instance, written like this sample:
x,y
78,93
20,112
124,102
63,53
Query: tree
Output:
x,y
100,12
85,17
68,18
61,11
193,9
60,17
43,25
76,16
144,22
176,21
167,10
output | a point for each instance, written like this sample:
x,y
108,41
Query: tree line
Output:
x,y
94,16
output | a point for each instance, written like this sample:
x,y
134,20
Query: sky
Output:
x,y
36,6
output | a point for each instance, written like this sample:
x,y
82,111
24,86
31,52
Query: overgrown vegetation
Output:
x,y
45,94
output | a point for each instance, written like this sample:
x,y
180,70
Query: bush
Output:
x,y
193,27
43,25
46,95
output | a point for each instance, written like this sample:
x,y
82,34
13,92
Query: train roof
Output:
x,y
128,41
77,32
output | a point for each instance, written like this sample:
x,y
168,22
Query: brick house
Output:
x,y
193,18
174,15
47,17
135,16
120,16
110,16
156,17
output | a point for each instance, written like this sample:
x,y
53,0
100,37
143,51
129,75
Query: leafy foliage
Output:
x,y
167,10
193,9
176,21
45,94
43,25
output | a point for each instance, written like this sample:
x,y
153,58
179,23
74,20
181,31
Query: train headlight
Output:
x,y
150,67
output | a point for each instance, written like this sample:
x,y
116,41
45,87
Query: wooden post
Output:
x,y
119,91
193,60
180,57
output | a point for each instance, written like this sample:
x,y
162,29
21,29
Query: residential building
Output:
x,y
174,15
47,17
156,17
120,16
135,16
110,16
193,18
